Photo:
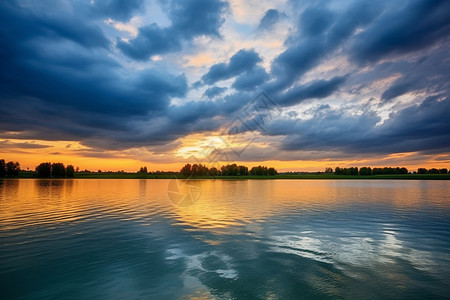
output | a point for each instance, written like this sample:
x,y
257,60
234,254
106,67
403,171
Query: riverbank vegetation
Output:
x,y
230,171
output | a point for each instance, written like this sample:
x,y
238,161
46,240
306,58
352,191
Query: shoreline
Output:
x,y
247,177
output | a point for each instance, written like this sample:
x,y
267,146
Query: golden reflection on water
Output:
x,y
221,205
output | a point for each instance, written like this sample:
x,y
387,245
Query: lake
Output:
x,y
219,239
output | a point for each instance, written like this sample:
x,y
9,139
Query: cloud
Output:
x,y
115,9
361,71
250,79
6,144
268,21
214,91
27,25
196,17
242,61
150,41
319,35
409,27
316,20
417,128
315,89
189,19
66,89
428,74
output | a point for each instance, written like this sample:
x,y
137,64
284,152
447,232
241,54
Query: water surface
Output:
x,y
252,239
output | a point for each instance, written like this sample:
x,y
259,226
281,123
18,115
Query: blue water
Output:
x,y
256,239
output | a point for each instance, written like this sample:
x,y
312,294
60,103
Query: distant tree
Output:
x,y
328,170
422,171
186,170
44,169
233,170
58,170
271,171
433,171
242,170
196,170
230,170
143,170
224,170
403,170
389,171
346,171
261,171
213,171
443,171
12,169
70,171
2,168
365,171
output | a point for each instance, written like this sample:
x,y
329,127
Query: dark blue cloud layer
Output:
x,y
58,81
269,20
418,128
61,79
121,10
214,91
240,62
189,19
416,25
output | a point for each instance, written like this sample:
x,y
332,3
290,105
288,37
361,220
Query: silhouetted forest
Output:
x,y
58,170
228,170
367,171
9,169
55,170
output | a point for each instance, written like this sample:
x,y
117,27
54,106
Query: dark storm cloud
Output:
x,y
412,26
151,40
315,89
315,20
370,31
189,19
59,82
250,79
27,145
121,10
428,74
62,79
196,17
268,21
242,61
214,91
320,33
21,25
421,128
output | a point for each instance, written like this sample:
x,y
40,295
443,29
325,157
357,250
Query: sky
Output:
x,y
299,85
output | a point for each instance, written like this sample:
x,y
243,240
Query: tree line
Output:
x,y
46,169
9,169
432,171
56,170
189,170
367,171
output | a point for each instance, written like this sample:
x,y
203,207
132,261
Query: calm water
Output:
x,y
279,239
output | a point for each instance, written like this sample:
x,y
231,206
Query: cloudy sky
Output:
x,y
110,84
